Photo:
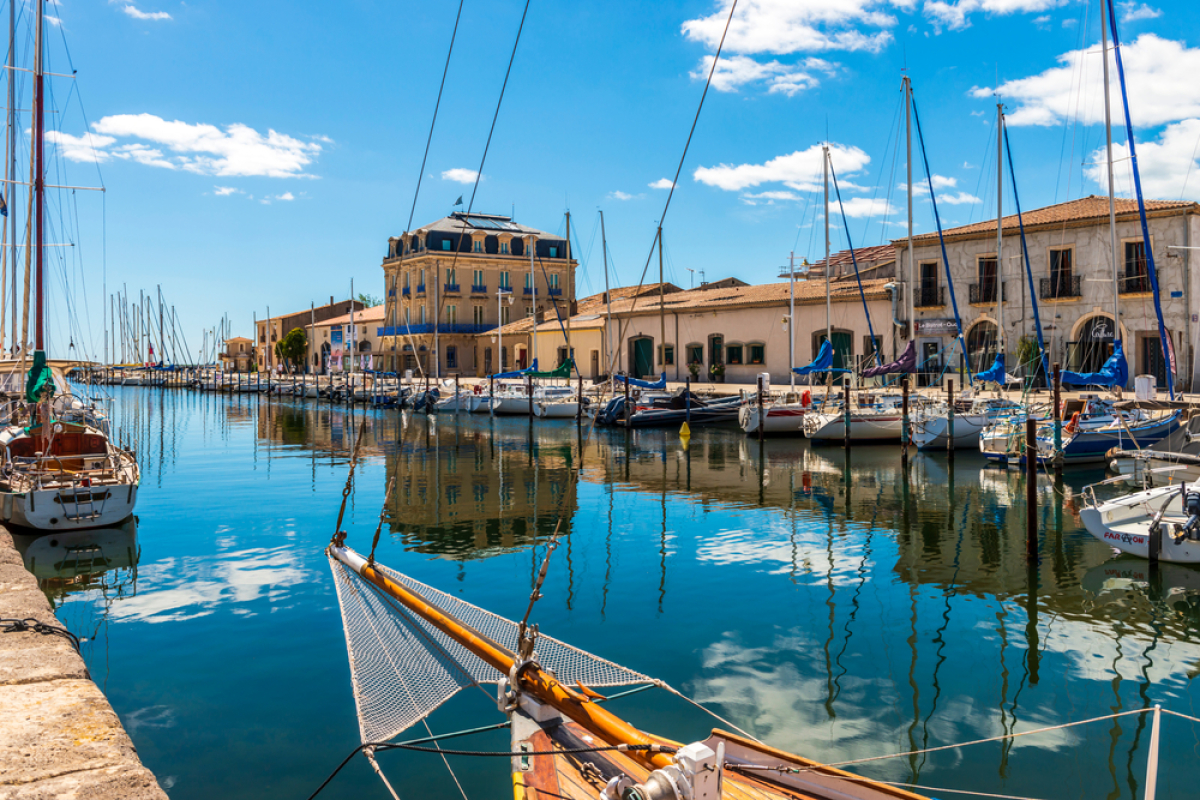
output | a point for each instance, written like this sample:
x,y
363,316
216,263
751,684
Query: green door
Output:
x,y
643,357
842,343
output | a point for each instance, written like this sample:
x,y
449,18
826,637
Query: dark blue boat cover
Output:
x,y
1115,371
822,363
518,373
661,383
995,373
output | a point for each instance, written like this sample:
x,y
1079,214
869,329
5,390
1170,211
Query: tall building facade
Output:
x,y
463,275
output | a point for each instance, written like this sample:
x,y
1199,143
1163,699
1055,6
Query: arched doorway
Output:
x,y
1092,345
981,345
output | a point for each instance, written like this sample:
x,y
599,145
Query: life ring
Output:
x,y
1073,425
806,399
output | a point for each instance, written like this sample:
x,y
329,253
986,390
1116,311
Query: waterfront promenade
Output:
x,y
59,737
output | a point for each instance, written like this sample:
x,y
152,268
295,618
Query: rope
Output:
x,y
710,712
373,747
31,625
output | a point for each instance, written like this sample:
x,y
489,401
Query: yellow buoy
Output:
x,y
685,431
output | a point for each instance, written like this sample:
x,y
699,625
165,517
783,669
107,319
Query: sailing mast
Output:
x,y
1000,236
38,183
912,275
607,298
662,318
828,302
11,166
792,318
570,294
1112,211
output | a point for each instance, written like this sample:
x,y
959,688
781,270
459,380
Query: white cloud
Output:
x,y
1132,12
88,147
619,195
1043,22
137,13
736,71
941,182
661,183
1164,163
785,26
460,175
955,15
961,198
285,196
1161,75
858,207
800,170
225,191
773,196
238,150
57,22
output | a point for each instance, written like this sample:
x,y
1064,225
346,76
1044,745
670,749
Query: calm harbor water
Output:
x,y
833,605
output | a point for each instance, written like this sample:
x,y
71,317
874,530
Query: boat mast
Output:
x,y
1112,211
662,318
38,183
570,294
828,302
912,275
1000,231
607,298
531,243
792,317
12,158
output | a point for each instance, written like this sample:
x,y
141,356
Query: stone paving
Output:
x,y
59,737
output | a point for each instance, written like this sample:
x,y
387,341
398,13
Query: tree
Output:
x,y
369,300
293,348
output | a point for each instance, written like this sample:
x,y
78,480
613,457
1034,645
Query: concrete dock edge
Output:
x,y
59,737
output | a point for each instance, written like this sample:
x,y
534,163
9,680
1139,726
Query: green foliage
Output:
x,y
369,300
1028,352
293,348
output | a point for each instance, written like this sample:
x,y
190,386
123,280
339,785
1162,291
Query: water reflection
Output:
x,y
104,560
837,604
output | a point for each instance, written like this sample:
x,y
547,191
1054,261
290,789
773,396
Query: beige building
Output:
x,y
452,279
269,331
347,343
238,355
1070,258
741,328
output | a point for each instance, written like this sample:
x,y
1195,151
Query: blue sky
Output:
x,y
261,154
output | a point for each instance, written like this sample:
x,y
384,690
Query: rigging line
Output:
x,y
679,169
854,261
892,128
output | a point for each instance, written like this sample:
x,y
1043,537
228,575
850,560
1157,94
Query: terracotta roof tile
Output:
x,y
1093,207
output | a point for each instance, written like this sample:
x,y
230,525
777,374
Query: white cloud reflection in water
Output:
x,y
237,578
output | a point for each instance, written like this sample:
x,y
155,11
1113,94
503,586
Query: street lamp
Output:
x,y
500,294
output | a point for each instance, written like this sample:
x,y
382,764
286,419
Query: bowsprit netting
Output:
x,y
403,668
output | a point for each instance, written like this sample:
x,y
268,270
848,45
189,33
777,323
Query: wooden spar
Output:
x,y
542,686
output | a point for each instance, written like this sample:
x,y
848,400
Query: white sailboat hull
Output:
x,y
933,432
780,419
863,427
1124,524
556,410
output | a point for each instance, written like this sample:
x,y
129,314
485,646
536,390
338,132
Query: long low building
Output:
x,y
728,331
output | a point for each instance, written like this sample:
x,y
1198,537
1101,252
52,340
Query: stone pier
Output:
x,y
59,737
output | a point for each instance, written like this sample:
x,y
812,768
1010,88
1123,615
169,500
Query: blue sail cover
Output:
x,y
907,362
1115,371
994,373
661,383
822,363
518,373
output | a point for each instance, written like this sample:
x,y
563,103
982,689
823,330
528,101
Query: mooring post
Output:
x,y
625,408
687,414
579,402
846,414
456,400
950,418
904,431
529,391
1058,458
761,419
1031,465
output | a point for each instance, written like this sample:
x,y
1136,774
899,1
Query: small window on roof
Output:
x,y
445,244
553,251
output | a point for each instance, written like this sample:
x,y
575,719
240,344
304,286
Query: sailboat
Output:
x,y
413,647
61,471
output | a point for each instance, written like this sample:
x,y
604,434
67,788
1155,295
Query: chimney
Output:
x,y
330,299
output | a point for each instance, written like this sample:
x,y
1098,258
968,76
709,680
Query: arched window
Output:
x,y
981,345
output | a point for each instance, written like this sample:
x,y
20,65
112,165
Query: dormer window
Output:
x,y
478,246
504,248
445,244
553,251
